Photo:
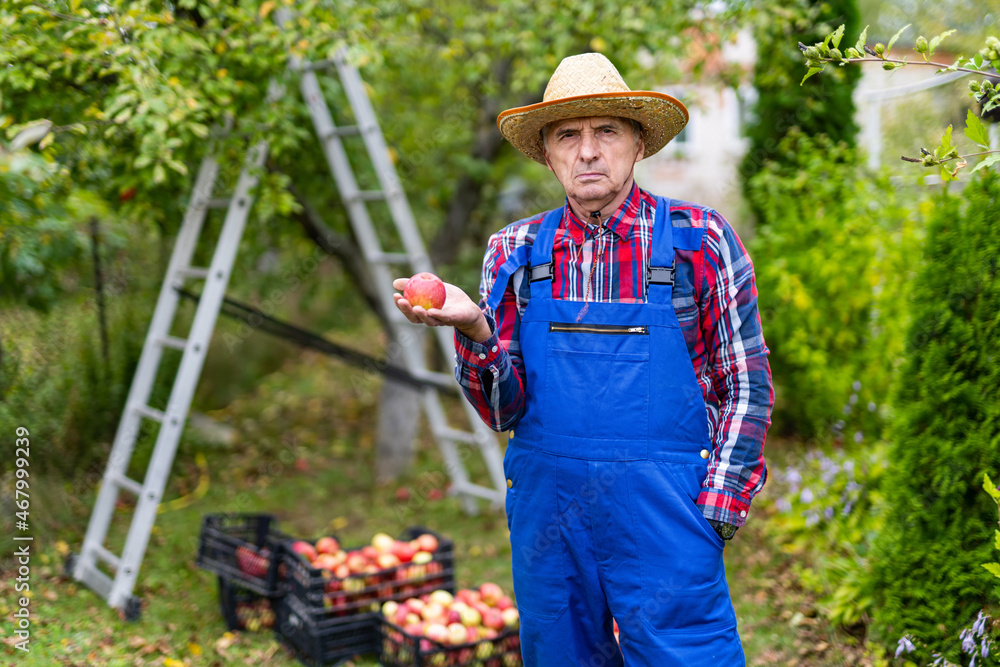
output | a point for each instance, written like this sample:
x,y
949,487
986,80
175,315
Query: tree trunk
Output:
x,y
399,407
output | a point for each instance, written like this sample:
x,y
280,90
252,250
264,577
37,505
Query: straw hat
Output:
x,y
589,85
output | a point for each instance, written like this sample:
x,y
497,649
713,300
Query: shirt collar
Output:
x,y
620,222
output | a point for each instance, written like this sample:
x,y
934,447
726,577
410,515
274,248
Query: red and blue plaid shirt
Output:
x,y
715,299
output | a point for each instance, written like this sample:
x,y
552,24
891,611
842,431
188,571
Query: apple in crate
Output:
x,y
251,562
383,543
304,549
427,542
327,545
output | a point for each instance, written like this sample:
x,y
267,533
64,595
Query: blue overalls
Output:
x,y
604,469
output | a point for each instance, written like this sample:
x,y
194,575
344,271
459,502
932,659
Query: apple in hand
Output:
x,y
425,290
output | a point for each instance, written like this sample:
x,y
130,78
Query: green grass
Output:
x,y
305,454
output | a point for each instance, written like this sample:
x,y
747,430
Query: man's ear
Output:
x,y
545,154
640,151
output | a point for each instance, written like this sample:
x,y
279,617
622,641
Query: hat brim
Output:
x,y
662,118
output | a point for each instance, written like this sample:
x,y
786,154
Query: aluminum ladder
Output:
x,y
84,567
454,443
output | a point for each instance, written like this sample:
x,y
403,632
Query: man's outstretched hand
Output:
x,y
459,311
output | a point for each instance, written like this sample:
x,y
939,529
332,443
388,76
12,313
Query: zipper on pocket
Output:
x,y
598,328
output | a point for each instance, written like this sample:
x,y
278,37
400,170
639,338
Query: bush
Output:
x,y
829,512
823,105
946,434
832,263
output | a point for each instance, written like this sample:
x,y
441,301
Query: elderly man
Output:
x,y
618,340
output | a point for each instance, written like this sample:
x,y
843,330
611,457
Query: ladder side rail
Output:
x,y
187,377
378,151
149,360
336,156
403,216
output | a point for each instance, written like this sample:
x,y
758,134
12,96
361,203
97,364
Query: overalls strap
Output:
x,y
537,257
660,276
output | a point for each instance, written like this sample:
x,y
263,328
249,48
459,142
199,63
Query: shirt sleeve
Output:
x,y
740,376
491,373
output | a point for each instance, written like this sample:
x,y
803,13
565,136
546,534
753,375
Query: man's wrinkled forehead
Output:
x,y
587,121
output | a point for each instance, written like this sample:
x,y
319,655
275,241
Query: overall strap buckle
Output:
x,y
660,275
541,272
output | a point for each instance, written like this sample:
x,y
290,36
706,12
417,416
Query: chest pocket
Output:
x,y
597,381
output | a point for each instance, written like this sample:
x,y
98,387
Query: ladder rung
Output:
x,y
342,131
443,380
127,483
476,490
193,272
458,436
366,195
317,65
105,555
172,341
150,413
391,258
99,582
219,202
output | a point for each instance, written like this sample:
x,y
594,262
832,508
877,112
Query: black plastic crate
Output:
x,y
244,609
401,649
328,641
243,549
325,596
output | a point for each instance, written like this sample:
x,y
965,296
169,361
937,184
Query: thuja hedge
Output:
x,y
833,263
946,433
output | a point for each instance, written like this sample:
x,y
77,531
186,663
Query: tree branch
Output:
x,y
339,245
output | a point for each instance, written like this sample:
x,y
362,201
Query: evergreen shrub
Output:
x,y
832,266
946,434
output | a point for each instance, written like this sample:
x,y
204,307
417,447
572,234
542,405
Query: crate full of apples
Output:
x,y
473,627
332,581
242,550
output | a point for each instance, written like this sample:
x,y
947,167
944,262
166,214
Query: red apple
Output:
x,y
425,290
327,545
493,618
356,562
404,551
369,552
427,542
491,593
342,571
304,549
504,603
432,611
511,619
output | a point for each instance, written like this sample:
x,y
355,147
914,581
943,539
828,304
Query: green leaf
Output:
x,y
976,131
937,40
992,490
996,543
892,41
942,151
988,162
837,35
812,70
860,46
977,61
993,568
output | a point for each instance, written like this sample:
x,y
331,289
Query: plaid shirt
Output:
x,y
715,299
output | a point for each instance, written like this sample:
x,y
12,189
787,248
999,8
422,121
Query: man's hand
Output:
x,y
459,311
725,530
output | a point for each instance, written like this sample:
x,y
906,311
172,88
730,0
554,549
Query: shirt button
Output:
x,y
704,453
494,349
482,355
743,512
510,484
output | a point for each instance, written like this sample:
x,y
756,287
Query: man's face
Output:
x,y
592,157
